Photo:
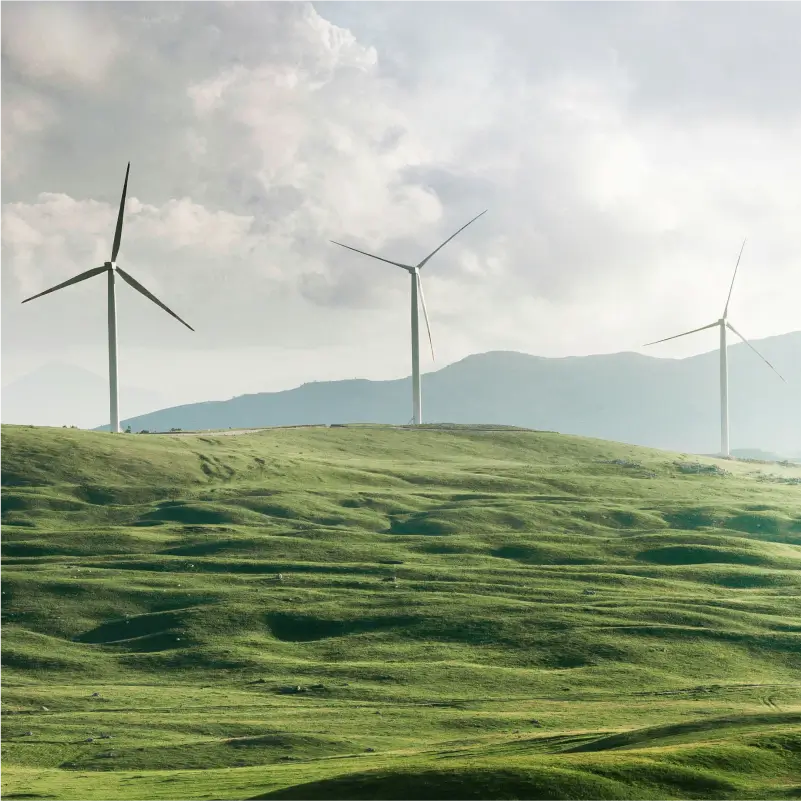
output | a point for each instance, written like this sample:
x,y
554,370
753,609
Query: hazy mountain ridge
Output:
x,y
62,394
628,397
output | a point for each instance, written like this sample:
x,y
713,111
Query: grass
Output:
x,y
369,612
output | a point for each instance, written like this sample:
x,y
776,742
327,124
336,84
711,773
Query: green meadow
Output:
x,y
370,612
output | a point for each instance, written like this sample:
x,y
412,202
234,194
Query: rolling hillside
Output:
x,y
368,612
627,397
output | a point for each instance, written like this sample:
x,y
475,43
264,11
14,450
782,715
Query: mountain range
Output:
x,y
58,394
628,397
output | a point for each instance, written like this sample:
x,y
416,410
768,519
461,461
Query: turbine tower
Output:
x,y
417,290
112,269
723,324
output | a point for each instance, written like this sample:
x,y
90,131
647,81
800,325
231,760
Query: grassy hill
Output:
x,y
626,397
368,612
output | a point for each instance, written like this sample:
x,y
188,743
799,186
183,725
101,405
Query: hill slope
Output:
x,y
216,616
664,403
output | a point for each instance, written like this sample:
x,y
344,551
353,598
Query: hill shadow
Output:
x,y
305,628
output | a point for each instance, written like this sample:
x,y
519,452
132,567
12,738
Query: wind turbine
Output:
x,y
417,288
723,323
111,269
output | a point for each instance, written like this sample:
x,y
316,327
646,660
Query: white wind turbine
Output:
x,y
417,287
111,268
723,323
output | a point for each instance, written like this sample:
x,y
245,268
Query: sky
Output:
x,y
622,150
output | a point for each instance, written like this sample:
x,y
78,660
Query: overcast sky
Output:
x,y
623,151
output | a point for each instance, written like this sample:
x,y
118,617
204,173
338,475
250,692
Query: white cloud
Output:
x,y
25,117
323,131
57,236
618,193
57,42
182,224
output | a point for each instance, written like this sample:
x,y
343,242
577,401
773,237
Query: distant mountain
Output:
x,y
62,394
663,403
762,456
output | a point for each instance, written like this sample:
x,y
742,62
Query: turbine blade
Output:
x,y
118,233
150,296
732,328
82,277
364,253
728,299
703,328
426,259
425,314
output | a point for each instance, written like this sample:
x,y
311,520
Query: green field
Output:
x,y
369,612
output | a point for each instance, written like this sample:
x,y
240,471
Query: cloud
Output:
x,y
317,122
58,236
620,171
59,43
182,224
26,116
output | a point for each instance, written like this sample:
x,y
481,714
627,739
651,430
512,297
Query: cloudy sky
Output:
x,y
623,151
